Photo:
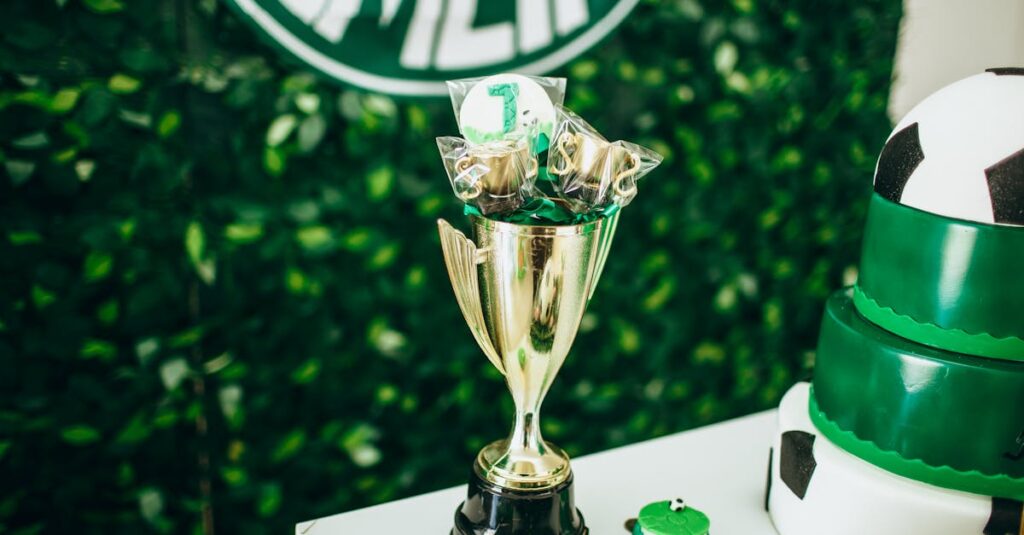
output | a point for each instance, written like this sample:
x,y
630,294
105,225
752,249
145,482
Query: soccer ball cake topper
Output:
x,y
960,152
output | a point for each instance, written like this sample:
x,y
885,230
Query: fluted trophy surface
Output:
x,y
523,290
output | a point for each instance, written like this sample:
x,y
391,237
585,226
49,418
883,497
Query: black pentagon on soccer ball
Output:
x,y
1007,517
796,461
1006,71
1006,189
900,156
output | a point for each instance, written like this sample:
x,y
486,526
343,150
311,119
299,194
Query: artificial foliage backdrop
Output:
x,y
223,306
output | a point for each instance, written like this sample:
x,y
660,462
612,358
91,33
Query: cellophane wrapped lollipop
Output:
x,y
507,105
496,177
590,173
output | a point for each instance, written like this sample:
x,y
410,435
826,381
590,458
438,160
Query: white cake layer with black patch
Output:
x,y
815,488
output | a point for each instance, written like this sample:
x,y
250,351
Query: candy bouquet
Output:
x,y
524,158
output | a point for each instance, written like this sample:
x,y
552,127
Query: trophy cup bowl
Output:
x,y
523,290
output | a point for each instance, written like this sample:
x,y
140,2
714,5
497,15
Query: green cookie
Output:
x,y
658,518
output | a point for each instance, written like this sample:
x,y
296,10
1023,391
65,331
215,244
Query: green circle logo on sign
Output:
x,y
410,47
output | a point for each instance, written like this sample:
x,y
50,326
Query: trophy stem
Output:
x,y
526,432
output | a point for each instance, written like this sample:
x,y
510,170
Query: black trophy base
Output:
x,y
493,510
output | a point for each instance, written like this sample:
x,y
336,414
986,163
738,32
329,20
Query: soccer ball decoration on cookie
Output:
x,y
960,152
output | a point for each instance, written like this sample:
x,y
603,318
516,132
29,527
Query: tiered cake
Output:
x,y
914,422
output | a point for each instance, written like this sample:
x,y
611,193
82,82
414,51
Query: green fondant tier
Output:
x,y
658,518
948,419
955,340
943,282
940,476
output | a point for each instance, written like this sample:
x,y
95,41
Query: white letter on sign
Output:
x,y
533,24
419,39
570,14
462,46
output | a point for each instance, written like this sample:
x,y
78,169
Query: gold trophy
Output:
x,y
523,290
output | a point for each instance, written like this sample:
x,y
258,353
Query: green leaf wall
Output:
x,y
222,299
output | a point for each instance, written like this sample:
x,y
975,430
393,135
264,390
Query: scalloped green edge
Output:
x,y
960,341
973,481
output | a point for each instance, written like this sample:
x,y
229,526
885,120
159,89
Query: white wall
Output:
x,y
942,41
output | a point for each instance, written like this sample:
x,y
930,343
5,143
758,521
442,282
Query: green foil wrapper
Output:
x,y
544,211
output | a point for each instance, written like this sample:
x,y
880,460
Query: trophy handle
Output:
x,y
462,256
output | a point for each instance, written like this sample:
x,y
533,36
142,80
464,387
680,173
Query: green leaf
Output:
x,y
84,169
230,399
65,156
5,445
98,265
311,131
289,446
19,170
358,443
709,353
108,312
80,434
306,372
173,372
655,300
314,237
146,349
308,103
24,237
379,183
195,242
243,232
195,246
280,129
274,161
123,84
35,140
42,297
234,476
270,500
65,100
151,504
134,118
97,106
384,256
104,6
726,56
135,431
168,123
98,349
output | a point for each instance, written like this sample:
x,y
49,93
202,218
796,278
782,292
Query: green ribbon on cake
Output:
x,y
943,282
944,418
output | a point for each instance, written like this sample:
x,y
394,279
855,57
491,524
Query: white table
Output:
x,y
719,469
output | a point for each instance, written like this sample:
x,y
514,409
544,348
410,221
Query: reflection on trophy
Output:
x,y
588,166
523,290
492,175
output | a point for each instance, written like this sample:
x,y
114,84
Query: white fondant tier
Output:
x,y
843,495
